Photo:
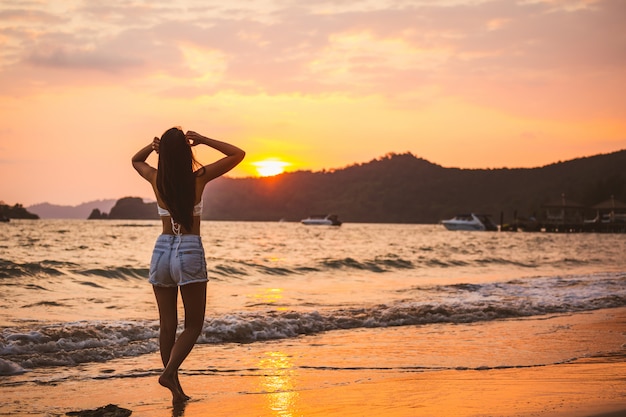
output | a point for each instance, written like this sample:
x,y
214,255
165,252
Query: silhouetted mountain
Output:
x,y
132,208
16,211
97,215
401,188
397,188
53,211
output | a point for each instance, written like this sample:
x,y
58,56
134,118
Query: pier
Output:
x,y
565,216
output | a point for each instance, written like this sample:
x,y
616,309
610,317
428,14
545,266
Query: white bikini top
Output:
x,y
197,210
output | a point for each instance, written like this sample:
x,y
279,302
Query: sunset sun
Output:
x,y
270,166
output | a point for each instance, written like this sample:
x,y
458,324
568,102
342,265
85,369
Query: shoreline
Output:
x,y
340,374
552,391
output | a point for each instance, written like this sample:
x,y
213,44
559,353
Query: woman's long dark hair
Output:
x,y
175,176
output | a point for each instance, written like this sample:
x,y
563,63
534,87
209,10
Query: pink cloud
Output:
x,y
480,51
25,15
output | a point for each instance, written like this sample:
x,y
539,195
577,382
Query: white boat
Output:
x,y
471,222
322,220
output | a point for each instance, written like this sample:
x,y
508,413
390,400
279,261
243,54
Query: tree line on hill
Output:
x,y
17,211
402,188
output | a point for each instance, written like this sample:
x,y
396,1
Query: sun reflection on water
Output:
x,y
269,296
278,382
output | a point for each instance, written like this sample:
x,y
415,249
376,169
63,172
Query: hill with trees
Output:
x,y
396,188
17,211
127,208
402,188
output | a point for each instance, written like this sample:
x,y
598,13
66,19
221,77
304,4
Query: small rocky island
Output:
x,y
16,211
128,208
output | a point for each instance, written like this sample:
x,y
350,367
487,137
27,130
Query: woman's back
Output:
x,y
169,226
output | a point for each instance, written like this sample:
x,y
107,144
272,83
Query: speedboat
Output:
x,y
322,220
478,222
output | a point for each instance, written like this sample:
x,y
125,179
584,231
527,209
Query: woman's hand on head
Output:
x,y
194,138
155,144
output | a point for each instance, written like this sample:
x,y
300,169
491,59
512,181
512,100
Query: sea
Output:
x,y
75,294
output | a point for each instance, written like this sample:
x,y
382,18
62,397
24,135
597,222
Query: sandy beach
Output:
x,y
368,375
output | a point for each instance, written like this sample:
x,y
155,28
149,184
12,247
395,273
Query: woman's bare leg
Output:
x,y
194,301
167,298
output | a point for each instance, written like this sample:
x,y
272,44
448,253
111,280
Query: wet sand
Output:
x,y
328,375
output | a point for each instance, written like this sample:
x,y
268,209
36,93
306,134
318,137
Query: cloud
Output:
x,y
58,57
30,16
473,49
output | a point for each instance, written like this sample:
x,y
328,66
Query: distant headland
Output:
x,y
16,211
130,208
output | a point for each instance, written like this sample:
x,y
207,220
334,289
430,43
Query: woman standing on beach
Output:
x,y
178,258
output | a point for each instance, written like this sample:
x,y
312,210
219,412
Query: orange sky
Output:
x,y
317,84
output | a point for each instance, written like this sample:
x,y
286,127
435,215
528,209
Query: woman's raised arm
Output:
x,y
234,156
139,160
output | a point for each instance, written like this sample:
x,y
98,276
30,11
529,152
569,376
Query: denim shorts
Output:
x,y
177,260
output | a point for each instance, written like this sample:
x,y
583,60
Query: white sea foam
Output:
x,y
10,368
87,341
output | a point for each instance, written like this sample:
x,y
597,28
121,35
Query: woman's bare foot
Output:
x,y
181,388
170,382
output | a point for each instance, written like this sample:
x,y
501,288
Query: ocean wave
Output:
x,y
8,368
503,261
240,268
116,272
220,269
51,268
79,342
9,269
74,343
44,303
217,268
378,264
254,327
